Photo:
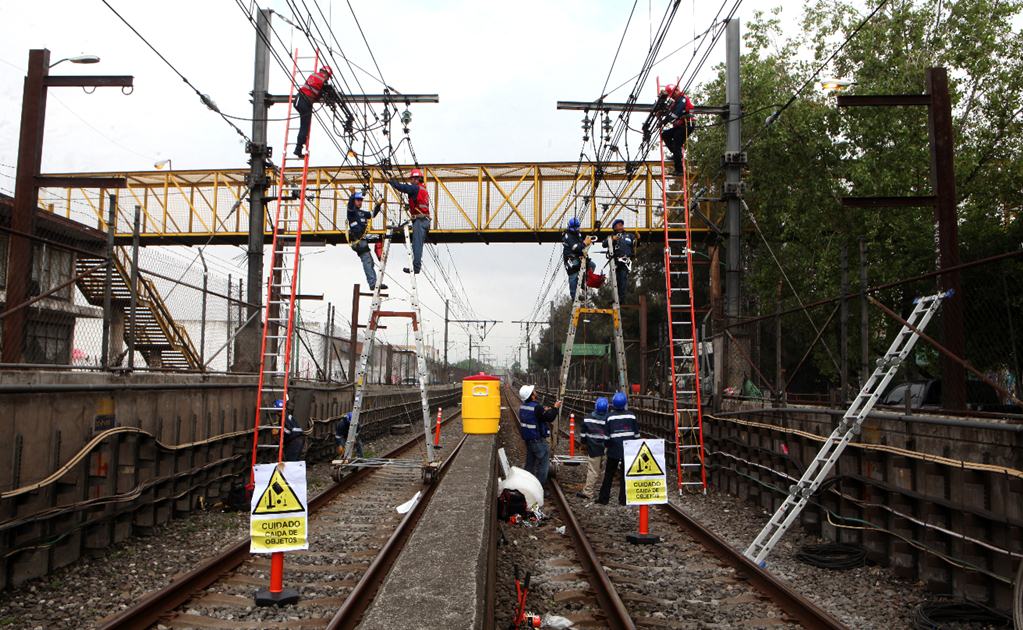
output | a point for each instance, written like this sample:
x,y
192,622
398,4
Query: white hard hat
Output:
x,y
526,391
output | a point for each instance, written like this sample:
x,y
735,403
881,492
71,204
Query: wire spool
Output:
x,y
931,615
835,556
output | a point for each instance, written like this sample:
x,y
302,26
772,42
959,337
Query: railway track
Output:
x,y
692,578
352,545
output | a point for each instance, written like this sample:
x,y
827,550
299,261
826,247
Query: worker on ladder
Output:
x,y
341,430
316,88
358,222
623,247
676,114
419,211
574,245
621,425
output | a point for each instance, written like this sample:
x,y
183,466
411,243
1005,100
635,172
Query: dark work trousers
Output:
x,y
305,116
622,280
293,448
675,139
611,468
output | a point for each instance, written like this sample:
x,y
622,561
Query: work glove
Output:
x,y
588,241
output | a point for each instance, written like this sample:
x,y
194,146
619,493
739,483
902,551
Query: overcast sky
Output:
x,y
499,68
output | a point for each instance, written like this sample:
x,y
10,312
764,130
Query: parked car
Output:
x,y
927,395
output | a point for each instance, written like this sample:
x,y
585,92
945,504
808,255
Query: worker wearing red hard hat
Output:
x,y
316,88
419,211
678,121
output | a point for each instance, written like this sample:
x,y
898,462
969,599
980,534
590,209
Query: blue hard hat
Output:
x,y
573,224
601,405
279,403
348,416
357,194
616,222
620,400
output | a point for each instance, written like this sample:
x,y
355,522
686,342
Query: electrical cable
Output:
x,y
931,615
834,556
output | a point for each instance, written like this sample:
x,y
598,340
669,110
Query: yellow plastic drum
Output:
x,y
481,404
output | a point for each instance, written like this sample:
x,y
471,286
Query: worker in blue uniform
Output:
x,y
623,248
535,427
294,438
341,430
358,222
621,425
573,245
594,437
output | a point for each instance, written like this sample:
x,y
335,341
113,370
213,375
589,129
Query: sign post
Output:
x,y
645,483
278,523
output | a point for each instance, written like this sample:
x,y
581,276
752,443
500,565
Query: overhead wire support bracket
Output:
x,y
370,98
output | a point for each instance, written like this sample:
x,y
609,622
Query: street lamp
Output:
x,y
162,163
78,59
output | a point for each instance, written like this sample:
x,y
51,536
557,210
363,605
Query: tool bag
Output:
x,y
509,503
594,280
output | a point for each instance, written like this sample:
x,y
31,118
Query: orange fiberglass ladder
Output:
x,y
683,344
279,321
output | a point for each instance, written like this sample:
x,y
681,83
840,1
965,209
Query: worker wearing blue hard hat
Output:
x,y
621,425
294,438
574,245
358,223
594,436
341,430
623,248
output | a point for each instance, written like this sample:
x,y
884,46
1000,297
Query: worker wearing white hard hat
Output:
x,y
535,427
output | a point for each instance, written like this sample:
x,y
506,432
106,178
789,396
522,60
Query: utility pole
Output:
x,y
446,365
529,344
247,342
734,160
27,183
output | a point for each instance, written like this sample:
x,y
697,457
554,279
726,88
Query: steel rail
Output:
x,y
365,591
607,595
156,605
803,610
611,603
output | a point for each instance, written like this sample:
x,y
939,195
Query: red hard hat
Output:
x,y
327,71
416,173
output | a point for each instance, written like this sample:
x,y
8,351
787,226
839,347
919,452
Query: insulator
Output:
x,y
406,117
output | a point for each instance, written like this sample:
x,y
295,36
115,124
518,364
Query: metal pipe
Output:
x,y
133,302
887,415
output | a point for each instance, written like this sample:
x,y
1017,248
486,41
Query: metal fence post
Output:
x,y
108,282
134,285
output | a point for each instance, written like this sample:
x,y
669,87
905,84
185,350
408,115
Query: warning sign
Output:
x,y
645,482
279,516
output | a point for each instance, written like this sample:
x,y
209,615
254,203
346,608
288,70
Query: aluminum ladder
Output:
x,y
376,314
580,306
279,313
847,429
683,341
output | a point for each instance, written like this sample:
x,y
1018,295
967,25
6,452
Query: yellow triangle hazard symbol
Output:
x,y
645,464
278,498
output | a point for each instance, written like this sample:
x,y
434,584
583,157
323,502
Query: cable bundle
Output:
x,y
835,556
931,615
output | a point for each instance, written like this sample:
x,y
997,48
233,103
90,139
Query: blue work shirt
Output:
x,y
594,433
535,419
624,244
621,425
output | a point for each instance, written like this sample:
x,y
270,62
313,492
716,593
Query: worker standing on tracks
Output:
x,y
341,429
677,117
294,440
358,222
621,425
535,427
594,436
574,245
623,248
316,88
419,211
